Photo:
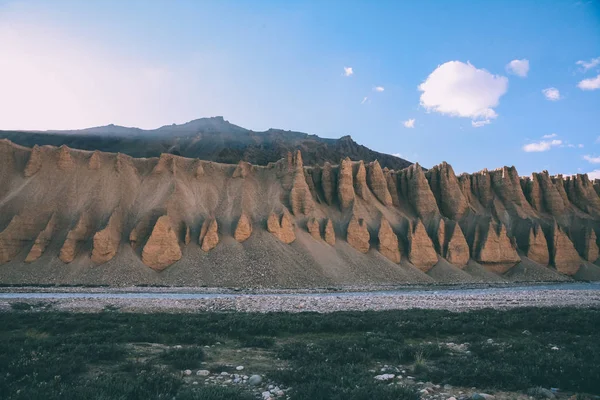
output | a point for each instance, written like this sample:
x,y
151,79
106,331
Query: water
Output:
x,y
191,296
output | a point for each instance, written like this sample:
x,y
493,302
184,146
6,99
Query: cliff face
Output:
x,y
303,225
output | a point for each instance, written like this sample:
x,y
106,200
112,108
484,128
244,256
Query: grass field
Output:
x,y
112,355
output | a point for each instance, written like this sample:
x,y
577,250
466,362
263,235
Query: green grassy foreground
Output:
x,y
112,355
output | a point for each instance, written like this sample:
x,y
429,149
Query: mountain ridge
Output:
x,y
212,139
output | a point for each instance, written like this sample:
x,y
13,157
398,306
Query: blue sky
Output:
x,y
262,64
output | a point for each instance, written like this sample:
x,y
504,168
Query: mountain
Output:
x,y
89,217
212,139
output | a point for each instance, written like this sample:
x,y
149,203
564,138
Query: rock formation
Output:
x,y
199,170
328,183
94,161
494,248
65,162
543,194
454,248
388,242
358,234
329,233
283,230
586,245
378,183
243,230
563,254
391,178
209,234
242,170
20,230
314,229
34,163
421,252
446,189
301,200
345,184
507,186
581,193
78,234
537,247
42,240
107,241
162,248
360,183
188,236
416,190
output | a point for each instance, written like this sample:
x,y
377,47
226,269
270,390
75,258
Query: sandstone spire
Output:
x,y
565,258
457,249
421,252
415,188
446,189
378,183
20,230
391,178
242,170
495,248
345,184
107,241
283,230
162,248
94,161
314,229
42,240
209,234
358,235
243,230
360,184
328,183
537,247
35,161
188,235
301,200
76,235
65,162
388,242
329,233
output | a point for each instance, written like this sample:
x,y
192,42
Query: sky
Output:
x,y
479,84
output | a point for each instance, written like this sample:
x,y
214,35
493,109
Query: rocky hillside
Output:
x,y
212,139
73,216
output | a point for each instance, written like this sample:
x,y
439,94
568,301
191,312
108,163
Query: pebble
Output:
x,y
255,380
225,373
203,372
187,372
239,367
384,377
266,395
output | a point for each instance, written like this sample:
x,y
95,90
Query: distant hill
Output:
x,y
213,139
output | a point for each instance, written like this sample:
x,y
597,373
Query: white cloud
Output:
x,y
348,71
409,123
585,65
595,174
580,146
550,136
518,67
540,146
461,90
590,84
379,88
364,100
551,94
479,124
591,160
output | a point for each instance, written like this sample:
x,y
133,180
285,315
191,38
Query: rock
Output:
x,y
481,186
209,234
494,249
243,230
384,377
20,231
391,178
360,183
581,193
388,242
345,184
162,248
239,368
42,240
540,393
564,257
94,161
266,395
543,194
242,170
314,229
283,231
507,186
378,183
358,235
188,236
164,164
301,200
328,183
477,396
329,233
446,190
35,161
415,188
78,234
585,242
106,242
421,251
199,170
65,162
537,247
254,380
203,372
456,251
187,372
